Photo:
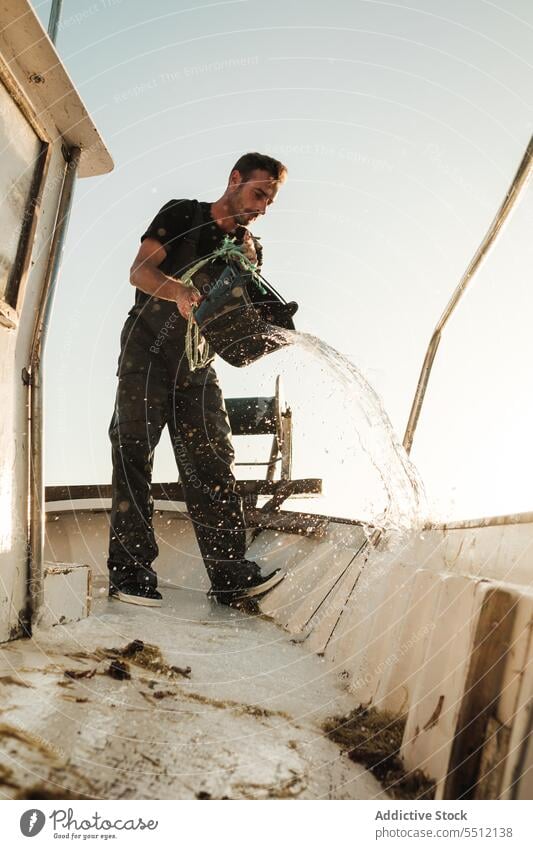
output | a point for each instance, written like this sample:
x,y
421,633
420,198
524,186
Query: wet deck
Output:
x,y
244,724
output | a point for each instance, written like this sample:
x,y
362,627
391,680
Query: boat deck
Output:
x,y
243,723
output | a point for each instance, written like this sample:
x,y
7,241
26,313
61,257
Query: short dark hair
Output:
x,y
260,161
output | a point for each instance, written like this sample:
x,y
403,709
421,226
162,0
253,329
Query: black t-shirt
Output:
x,y
175,220
175,227
173,223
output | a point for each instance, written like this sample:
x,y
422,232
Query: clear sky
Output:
x,y
402,124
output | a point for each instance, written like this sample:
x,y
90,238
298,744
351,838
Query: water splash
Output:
x,y
342,433
404,488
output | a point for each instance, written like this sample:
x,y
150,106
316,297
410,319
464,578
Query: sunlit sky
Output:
x,y
402,125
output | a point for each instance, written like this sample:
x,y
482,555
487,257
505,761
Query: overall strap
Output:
x,y
188,249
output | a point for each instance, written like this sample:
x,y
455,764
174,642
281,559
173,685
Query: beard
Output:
x,y
245,218
240,215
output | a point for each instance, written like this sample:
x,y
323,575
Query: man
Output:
x,y
156,387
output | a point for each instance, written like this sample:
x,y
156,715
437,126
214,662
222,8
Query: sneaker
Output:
x,y
135,585
251,585
134,594
259,584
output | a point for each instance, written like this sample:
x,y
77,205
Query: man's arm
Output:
x,y
146,276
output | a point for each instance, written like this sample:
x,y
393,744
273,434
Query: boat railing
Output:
x,y
513,193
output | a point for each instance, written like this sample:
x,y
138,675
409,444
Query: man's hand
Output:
x,y
248,247
187,297
146,275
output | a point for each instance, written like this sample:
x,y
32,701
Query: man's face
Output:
x,y
251,198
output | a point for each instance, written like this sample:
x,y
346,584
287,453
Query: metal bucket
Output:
x,y
242,318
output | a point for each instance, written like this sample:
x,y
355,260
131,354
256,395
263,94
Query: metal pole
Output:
x,y
517,186
53,22
36,481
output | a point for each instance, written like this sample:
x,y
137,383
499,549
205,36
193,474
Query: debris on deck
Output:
x,y
374,738
203,703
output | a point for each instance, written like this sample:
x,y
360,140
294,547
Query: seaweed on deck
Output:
x,y
137,653
374,738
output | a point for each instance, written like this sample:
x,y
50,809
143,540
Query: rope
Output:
x,y
197,349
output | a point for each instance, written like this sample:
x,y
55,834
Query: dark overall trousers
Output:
x,y
151,394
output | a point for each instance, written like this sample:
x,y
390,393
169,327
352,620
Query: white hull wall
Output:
x,y
439,631
15,346
40,108
434,631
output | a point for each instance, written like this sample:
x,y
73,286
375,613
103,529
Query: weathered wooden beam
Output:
x,y
481,693
293,523
174,491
